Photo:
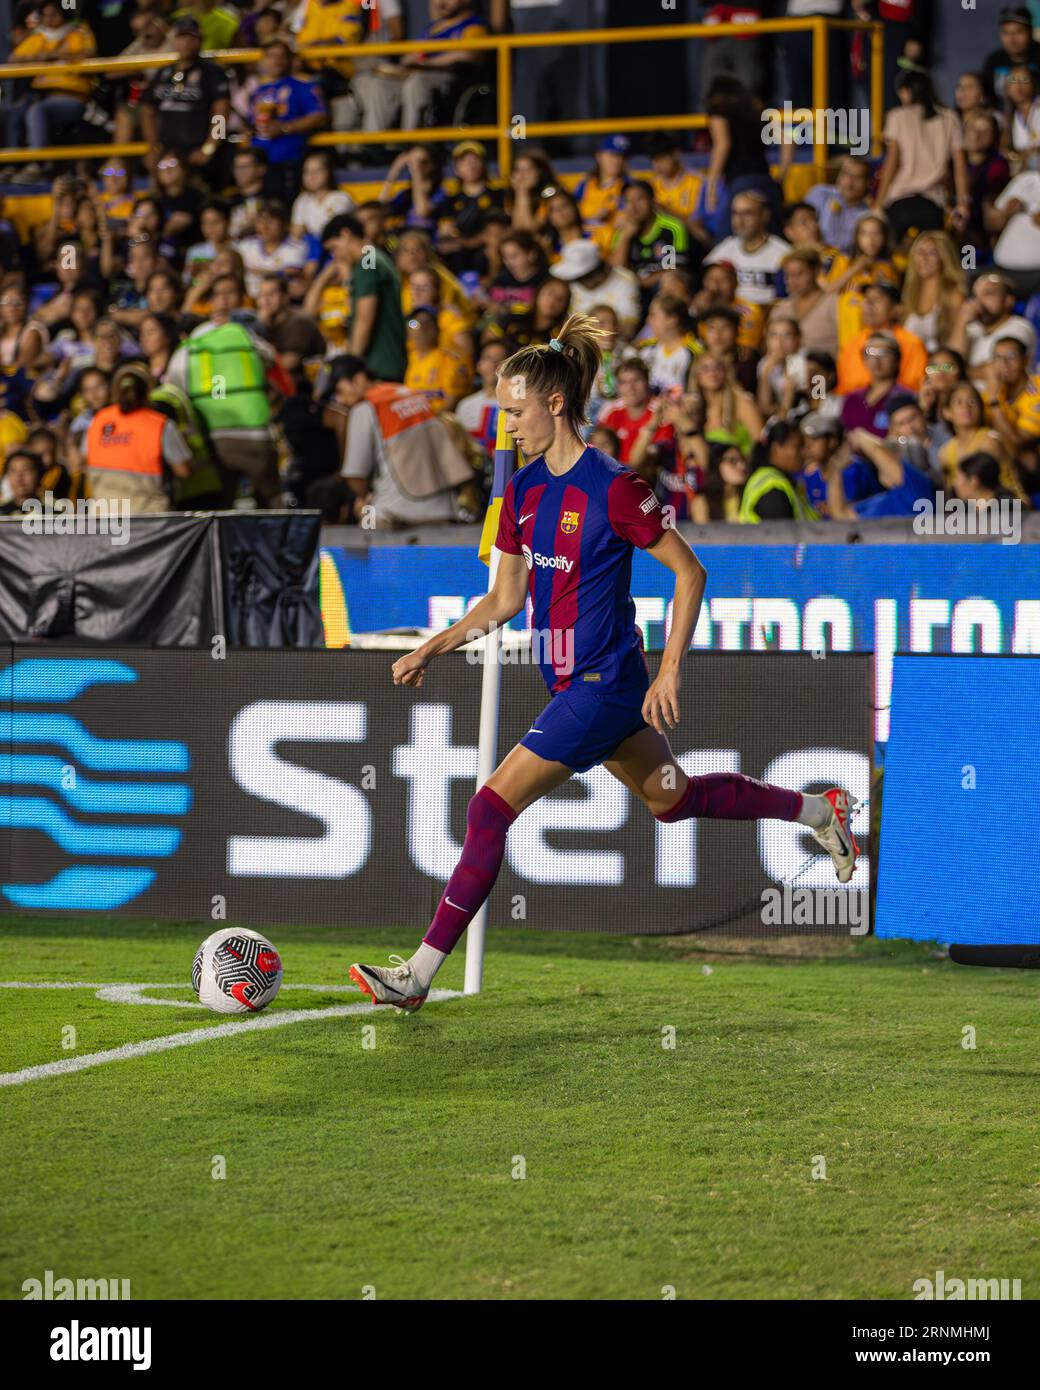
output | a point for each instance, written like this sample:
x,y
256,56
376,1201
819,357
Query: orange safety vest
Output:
x,y
398,408
127,443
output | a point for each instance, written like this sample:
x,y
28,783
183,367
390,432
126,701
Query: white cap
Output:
x,y
577,259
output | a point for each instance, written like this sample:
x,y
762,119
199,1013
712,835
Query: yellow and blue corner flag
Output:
x,y
506,465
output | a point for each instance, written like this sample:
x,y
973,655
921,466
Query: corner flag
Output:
x,y
505,466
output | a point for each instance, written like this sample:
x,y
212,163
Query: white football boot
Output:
x,y
836,837
394,985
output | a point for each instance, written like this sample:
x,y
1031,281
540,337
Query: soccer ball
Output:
x,y
236,971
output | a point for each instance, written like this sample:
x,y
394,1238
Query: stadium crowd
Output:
x,y
226,322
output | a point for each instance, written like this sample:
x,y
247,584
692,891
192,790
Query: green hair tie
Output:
x,y
555,344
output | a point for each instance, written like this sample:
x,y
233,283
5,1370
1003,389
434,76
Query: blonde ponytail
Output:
x,y
568,363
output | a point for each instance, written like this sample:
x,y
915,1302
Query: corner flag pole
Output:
x,y
491,682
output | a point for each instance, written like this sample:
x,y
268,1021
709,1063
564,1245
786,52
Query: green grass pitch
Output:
x,y
398,1167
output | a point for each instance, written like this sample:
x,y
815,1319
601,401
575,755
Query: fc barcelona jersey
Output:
x,y
576,531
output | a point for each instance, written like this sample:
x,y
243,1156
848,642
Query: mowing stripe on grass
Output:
x,y
192,1035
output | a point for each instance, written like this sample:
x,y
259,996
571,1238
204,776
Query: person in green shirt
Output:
x,y
219,24
376,328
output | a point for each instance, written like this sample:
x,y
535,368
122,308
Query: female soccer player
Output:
x,y
570,518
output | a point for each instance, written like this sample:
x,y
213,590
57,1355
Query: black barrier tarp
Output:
x,y
270,576
173,580
299,788
158,586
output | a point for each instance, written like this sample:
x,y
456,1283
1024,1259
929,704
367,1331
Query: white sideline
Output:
x,y
191,1035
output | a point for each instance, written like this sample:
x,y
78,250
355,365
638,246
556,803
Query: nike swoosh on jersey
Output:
x,y
525,518
455,905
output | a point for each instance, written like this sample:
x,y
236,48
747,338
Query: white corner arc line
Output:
x,y
192,1035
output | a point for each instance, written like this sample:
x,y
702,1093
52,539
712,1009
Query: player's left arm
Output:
x,y
661,705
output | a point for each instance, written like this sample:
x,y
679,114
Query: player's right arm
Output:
x,y
505,599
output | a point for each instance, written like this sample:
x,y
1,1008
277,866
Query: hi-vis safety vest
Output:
x,y
126,443
226,380
204,478
769,479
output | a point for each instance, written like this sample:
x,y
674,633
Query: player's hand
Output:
x,y
661,706
410,669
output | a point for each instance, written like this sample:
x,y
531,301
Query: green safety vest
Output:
x,y
768,479
204,478
226,380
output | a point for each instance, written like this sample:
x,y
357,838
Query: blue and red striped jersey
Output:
x,y
576,533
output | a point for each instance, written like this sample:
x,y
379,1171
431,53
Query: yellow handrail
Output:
x,y
502,45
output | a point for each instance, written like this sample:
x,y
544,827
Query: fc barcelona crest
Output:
x,y
569,523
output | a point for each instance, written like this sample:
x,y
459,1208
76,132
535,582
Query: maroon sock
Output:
x,y
487,823
732,796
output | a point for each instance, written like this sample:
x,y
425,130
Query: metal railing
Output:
x,y
503,46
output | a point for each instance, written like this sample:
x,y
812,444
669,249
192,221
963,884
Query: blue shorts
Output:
x,y
582,726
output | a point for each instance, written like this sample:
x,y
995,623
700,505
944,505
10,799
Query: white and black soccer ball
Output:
x,y
236,971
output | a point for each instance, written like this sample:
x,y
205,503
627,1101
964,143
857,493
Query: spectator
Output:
x,y
731,415
977,480
129,445
434,372
1017,47
647,241
413,205
215,225
22,339
783,372
272,249
755,254
945,369
970,99
318,204
668,355
738,156
180,202
239,421
880,304
478,413
424,76
52,101
986,315
400,461
813,308
988,174
184,103
454,325
636,418
376,327
677,190
720,496
294,336
1021,142
539,323
824,453
217,23
531,181
284,110
151,36
524,269
599,194
1016,218
158,336
462,206
564,218
326,23
933,290
965,414
773,491
839,206
922,141
869,407
851,276
249,171
22,476
592,281
1013,408
903,482
718,326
